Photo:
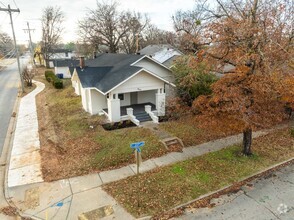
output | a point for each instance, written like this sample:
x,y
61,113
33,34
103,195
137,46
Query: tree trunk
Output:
x,y
47,63
247,140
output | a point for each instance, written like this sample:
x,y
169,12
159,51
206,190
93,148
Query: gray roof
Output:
x,y
170,61
107,70
110,59
152,49
71,70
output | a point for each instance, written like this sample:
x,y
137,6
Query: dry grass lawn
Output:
x,y
167,187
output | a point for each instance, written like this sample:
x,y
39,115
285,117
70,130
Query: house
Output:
x,y
163,53
61,54
123,87
65,67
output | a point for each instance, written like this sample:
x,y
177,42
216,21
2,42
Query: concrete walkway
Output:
x,y
79,196
25,160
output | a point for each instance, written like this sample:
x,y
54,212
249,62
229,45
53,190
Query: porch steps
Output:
x,y
173,144
143,116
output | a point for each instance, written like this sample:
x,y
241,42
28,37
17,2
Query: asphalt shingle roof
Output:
x,y
153,49
66,63
107,70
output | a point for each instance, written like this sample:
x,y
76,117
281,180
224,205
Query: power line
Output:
x,y
31,44
2,4
15,4
9,10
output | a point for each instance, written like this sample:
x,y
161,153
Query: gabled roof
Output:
x,y
71,70
107,71
104,78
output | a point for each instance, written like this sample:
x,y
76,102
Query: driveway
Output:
x,y
270,197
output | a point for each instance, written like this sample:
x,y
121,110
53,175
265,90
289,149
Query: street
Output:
x,y
266,198
9,82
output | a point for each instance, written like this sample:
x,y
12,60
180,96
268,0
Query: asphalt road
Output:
x,y
9,82
270,197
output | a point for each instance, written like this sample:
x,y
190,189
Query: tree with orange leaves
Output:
x,y
256,37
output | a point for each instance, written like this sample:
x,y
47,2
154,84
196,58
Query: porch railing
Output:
x,y
130,113
151,114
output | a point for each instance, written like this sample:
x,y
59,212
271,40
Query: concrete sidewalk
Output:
x,y
70,198
25,159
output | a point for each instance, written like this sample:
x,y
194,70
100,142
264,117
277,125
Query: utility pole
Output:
x,y
9,10
31,44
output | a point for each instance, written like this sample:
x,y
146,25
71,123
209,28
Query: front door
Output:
x,y
134,98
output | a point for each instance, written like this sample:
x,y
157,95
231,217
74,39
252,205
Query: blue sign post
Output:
x,y
137,147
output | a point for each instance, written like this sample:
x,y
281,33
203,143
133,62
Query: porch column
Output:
x,y
160,102
113,104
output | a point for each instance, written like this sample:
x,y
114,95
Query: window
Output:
x,y
121,96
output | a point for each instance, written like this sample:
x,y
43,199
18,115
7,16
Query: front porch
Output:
x,y
137,108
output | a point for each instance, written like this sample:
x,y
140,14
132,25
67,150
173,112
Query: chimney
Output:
x,y
94,55
82,62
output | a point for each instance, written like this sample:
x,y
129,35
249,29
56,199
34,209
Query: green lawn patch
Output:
x,y
167,187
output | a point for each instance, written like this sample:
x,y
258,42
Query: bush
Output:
x,y
118,125
192,78
51,77
58,84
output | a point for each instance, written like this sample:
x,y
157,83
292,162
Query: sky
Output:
x,y
159,11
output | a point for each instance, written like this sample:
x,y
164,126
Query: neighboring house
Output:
x,y
62,54
163,53
63,67
123,87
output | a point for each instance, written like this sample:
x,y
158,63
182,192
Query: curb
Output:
x,y
225,190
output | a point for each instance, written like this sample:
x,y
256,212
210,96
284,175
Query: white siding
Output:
x,y
141,82
84,99
98,102
147,96
156,69
126,101
64,71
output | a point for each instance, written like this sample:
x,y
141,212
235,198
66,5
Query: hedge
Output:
x,y
51,77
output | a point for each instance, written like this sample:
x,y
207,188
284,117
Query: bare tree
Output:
x,y
108,27
52,20
6,44
28,75
136,24
154,35
191,27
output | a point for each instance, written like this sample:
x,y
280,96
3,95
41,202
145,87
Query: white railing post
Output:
x,y
151,114
130,113
148,108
